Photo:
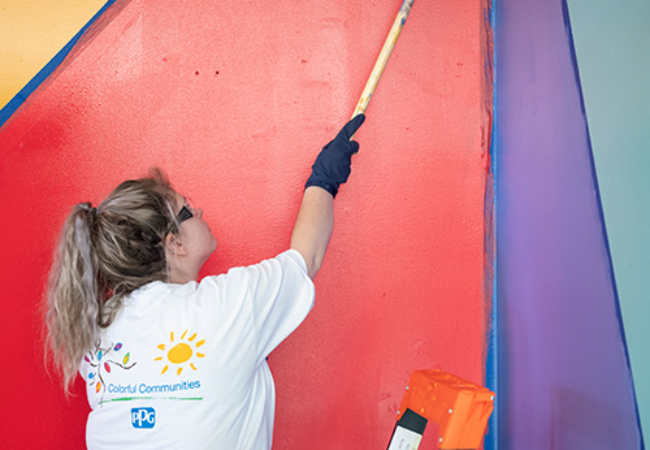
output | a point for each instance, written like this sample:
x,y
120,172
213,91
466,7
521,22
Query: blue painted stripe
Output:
x,y
17,101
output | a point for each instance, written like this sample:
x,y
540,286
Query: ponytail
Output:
x,y
103,255
73,295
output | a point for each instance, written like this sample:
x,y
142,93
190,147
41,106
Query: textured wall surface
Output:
x,y
564,377
234,100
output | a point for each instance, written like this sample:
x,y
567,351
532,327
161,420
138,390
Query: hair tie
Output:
x,y
90,211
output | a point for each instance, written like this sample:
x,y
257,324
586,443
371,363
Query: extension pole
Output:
x,y
382,59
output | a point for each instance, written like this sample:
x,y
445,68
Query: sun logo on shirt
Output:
x,y
181,352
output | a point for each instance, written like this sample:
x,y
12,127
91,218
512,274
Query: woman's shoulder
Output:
x,y
291,259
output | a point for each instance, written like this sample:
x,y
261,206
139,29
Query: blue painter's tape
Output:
x,y
491,441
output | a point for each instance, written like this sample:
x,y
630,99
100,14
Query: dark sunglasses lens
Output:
x,y
184,214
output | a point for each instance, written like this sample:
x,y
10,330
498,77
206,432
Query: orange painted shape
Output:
x,y
32,33
460,407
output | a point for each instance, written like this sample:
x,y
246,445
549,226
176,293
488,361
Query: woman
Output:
x,y
170,361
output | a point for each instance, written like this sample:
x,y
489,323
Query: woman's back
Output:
x,y
184,366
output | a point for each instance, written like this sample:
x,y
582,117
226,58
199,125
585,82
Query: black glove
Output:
x,y
332,166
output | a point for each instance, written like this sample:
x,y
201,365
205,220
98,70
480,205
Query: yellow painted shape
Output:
x,y
32,32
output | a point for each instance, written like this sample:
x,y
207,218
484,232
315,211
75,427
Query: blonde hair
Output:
x,y
104,254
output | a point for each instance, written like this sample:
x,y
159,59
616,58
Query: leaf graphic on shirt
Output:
x,y
101,363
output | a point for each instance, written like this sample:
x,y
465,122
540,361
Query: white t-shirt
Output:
x,y
184,366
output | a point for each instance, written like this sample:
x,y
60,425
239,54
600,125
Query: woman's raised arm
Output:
x,y
315,221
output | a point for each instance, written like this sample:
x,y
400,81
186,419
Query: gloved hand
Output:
x,y
332,166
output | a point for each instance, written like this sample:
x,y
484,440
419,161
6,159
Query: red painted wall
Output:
x,y
234,100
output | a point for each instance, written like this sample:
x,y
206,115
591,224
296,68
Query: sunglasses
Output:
x,y
184,214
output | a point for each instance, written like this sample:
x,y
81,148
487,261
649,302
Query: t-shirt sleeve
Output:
x,y
282,295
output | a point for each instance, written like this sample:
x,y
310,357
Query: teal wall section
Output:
x,y
612,40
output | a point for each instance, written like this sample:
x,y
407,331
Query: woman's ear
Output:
x,y
174,245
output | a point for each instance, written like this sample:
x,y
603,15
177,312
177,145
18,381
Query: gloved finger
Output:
x,y
352,126
351,148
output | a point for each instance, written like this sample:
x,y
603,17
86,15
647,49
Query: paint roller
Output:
x,y
382,59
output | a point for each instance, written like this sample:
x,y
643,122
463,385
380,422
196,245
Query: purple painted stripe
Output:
x,y
564,378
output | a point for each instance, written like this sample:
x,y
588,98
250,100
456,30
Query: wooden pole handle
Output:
x,y
382,59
